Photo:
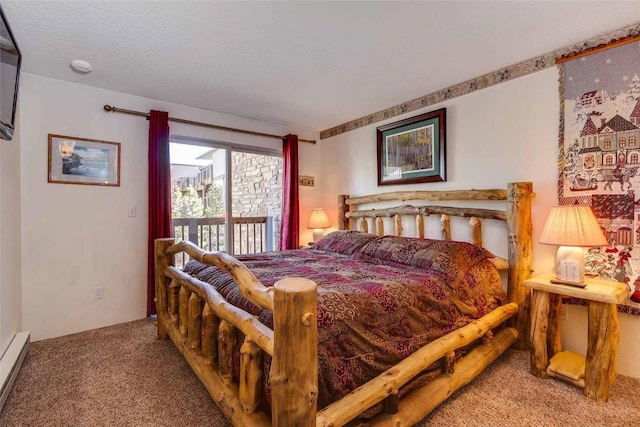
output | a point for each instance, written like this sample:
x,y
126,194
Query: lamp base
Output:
x,y
318,233
570,265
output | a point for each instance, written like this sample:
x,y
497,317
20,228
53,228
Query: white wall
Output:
x,y
310,163
10,255
78,237
505,133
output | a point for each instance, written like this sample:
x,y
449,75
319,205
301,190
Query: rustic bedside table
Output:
x,y
596,371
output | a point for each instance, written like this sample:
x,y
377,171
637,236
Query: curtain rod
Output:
x,y
113,109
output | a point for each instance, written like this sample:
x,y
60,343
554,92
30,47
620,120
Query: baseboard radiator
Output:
x,y
11,362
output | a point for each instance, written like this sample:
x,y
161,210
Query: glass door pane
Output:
x,y
256,202
198,197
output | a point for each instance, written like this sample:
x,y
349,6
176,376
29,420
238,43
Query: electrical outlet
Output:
x,y
564,314
98,293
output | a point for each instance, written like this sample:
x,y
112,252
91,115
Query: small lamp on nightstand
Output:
x,y
572,227
317,221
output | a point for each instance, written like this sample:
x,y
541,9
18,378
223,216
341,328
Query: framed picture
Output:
x,y
83,161
413,150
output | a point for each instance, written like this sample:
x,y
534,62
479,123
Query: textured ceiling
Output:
x,y
307,64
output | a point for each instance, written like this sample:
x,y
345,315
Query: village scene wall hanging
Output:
x,y
600,156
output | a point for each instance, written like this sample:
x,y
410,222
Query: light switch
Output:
x,y
133,211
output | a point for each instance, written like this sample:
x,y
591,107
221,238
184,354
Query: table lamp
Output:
x,y
317,221
572,227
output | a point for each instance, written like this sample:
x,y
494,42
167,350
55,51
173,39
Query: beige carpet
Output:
x,y
123,376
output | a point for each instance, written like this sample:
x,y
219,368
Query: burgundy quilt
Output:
x,y
379,299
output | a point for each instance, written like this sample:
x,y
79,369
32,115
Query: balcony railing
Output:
x,y
183,183
250,234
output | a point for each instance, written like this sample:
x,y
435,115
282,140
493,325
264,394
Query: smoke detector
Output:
x,y
81,66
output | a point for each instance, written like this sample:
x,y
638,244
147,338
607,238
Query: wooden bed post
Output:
x,y
343,208
162,261
294,369
520,255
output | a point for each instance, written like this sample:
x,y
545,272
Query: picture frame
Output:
x,y
413,150
84,161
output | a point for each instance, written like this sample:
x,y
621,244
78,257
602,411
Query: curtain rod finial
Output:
x,y
108,107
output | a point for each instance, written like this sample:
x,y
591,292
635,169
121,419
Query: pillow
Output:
x,y
448,257
344,242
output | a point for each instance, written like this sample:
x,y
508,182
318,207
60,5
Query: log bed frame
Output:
x,y
203,325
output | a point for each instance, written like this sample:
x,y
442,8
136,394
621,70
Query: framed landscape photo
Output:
x,y
413,150
75,160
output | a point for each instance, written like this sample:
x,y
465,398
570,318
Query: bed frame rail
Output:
x,y
387,384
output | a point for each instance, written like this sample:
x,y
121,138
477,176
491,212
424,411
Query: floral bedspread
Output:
x,y
378,301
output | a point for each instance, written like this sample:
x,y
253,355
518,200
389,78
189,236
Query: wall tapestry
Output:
x,y
600,156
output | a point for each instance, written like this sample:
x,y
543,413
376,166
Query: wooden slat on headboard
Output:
x,y
431,196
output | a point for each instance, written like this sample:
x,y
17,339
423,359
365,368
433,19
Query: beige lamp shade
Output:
x,y
571,227
317,221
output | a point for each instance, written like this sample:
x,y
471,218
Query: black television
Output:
x,y
10,60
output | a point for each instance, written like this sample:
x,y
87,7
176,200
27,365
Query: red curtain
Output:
x,y
159,194
290,225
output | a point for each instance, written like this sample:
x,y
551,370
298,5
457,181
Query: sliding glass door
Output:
x,y
226,197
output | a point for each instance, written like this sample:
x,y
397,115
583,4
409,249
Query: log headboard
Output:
x,y
516,215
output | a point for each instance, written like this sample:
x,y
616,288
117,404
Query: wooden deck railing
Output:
x,y
250,235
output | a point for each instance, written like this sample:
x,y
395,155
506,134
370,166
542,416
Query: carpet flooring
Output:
x,y
123,376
